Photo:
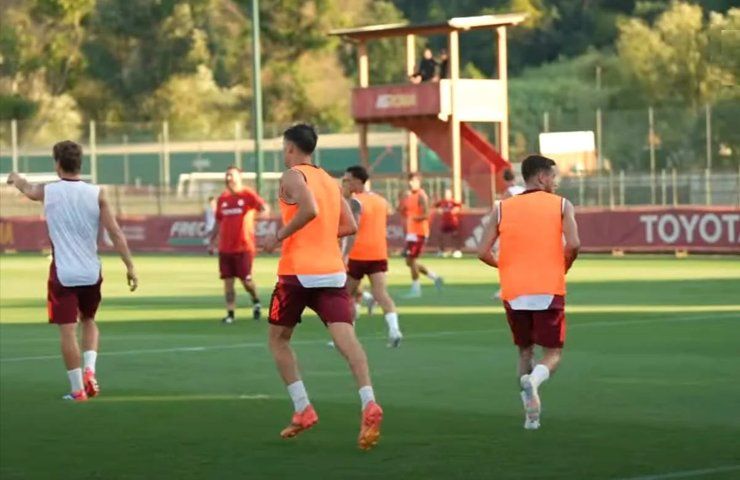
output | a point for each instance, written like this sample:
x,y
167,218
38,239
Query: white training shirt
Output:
x,y
515,190
73,217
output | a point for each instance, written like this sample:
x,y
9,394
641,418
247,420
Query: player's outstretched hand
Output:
x,y
132,280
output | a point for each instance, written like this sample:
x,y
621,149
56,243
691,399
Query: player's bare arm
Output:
x,y
294,190
213,237
356,209
347,223
119,240
33,192
570,232
485,249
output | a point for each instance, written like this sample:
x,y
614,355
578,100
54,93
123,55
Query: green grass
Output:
x,y
648,385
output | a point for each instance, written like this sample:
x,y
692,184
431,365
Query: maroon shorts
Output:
x,y
450,228
359,268
414,248
236,265
67,304
290,298
541,327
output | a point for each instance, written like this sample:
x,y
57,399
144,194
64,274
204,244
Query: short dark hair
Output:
x,y
68,155
414,175
302,136
508,175
359,172
534,164
233,167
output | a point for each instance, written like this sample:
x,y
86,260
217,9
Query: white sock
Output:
x,y
431,275
298,394
90,357
75,379
367,395
391,318
539,374
416,285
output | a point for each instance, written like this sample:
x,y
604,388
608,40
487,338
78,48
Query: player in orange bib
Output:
x,y
311,274
414,208
368,248
538,244
234,233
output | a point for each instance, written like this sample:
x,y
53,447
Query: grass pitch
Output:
x,y
648,387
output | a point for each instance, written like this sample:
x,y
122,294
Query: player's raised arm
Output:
x,y
485,249
34,192
570,232
119,240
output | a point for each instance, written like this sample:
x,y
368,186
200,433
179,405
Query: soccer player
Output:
x,y
511,187
235,212
311,274
368,248
533,260
74,211
414,207
449,224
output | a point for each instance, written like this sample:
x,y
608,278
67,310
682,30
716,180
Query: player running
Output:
x,y
311,274
235,212
74,211
368,248
532,263
449,224
414,207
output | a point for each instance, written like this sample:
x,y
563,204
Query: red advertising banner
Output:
x,y
396,100
697,229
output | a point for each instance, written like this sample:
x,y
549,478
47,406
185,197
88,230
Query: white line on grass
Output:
x,y
687,473
611,323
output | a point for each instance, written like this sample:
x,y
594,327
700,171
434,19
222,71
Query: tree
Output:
x,y
676,59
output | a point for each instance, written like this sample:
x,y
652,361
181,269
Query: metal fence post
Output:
x,y
581,190
126,166
166,153
621,188
93,153
546,122
651,147
674,175
611,189
663,188
707,185
14,143
237,146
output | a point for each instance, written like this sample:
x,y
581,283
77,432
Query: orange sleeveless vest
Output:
x,y
412,210
370,239
531,258
314,249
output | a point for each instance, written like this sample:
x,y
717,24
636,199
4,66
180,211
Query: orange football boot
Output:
x,y
301,421
372,417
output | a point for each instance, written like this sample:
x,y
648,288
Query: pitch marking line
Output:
x,y
718,316
687,473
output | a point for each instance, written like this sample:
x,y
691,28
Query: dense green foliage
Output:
x,y
63,62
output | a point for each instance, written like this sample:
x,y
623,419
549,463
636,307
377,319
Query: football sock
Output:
x,y
298,394
367,296
539,374
416,286
366,395
75,379
255,301
230,313
90,357
432,276
391,319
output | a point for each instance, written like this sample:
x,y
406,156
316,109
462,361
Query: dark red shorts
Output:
x,y
540,327
290,298
359,268
67,304
236,265
414,248
450,228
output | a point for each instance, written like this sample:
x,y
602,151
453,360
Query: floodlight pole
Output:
x,y
257,104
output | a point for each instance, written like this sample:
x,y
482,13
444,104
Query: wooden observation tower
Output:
x,y
439,112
